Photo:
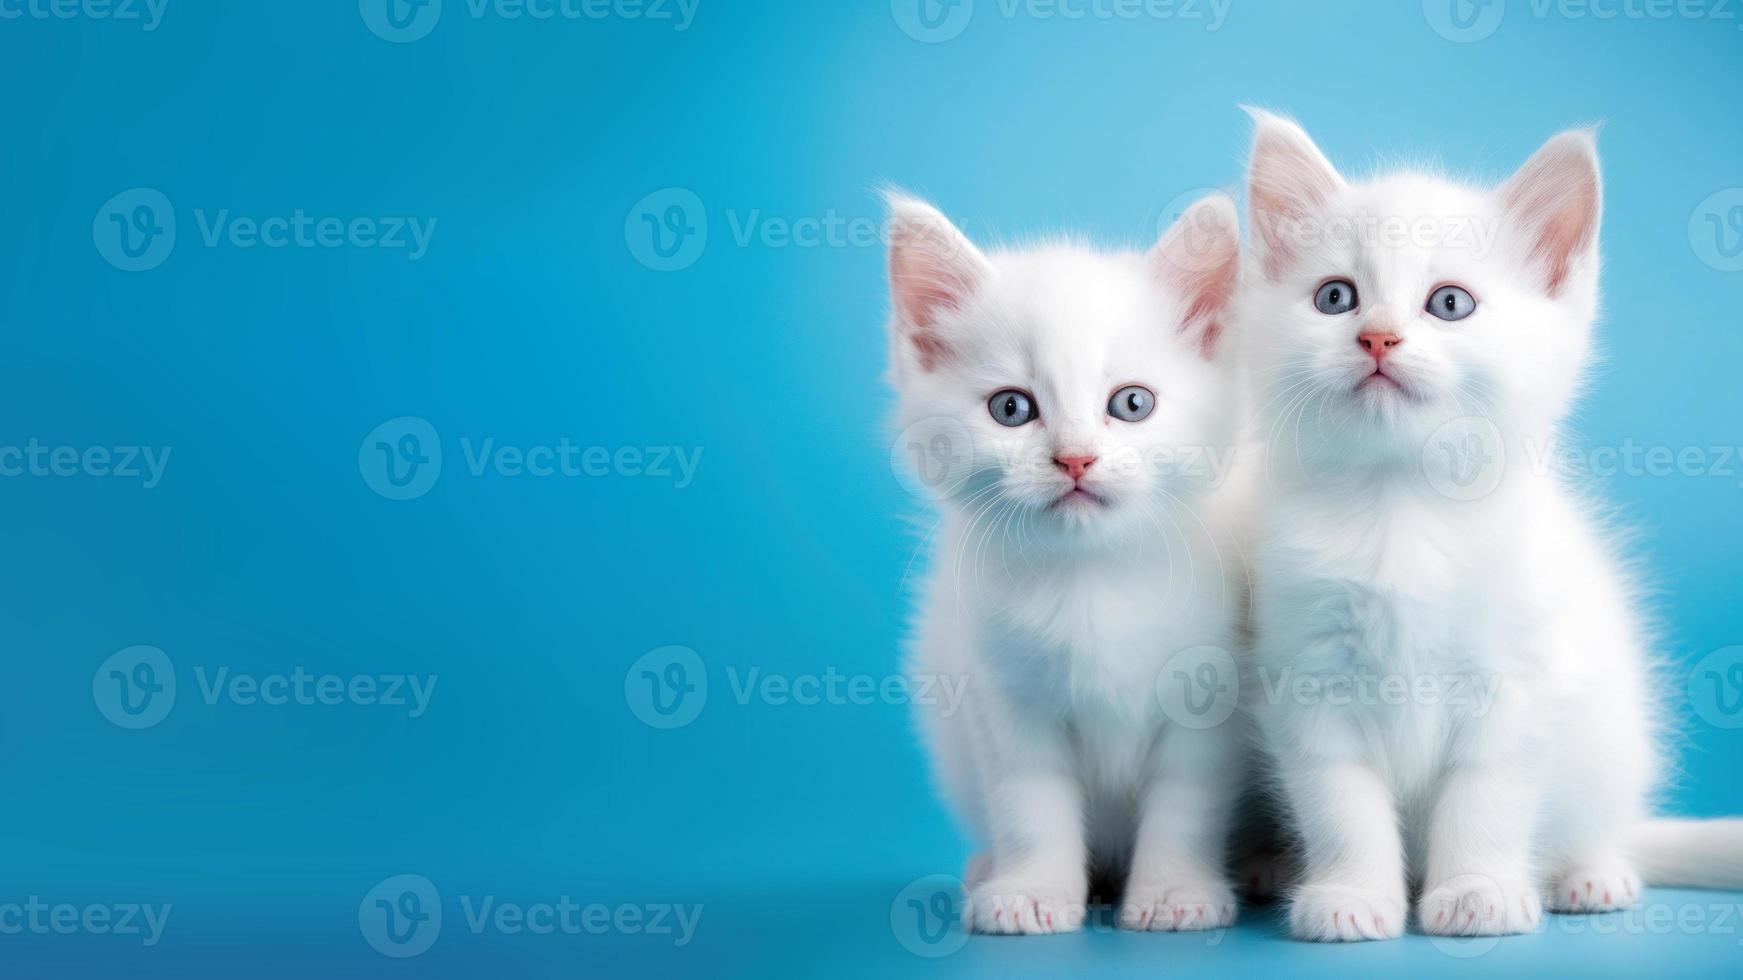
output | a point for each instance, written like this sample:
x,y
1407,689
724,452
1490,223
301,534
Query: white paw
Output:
x,y
979,867
1478,905
1182,906
1595,889
1343,914
1021,906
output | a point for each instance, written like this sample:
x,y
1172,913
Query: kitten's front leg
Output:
x,y
1353,888
1178,880
1478,879
1037,880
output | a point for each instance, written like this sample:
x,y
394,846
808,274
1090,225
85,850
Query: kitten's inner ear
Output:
x,y
933,268
1288,181
1557,199
1200,257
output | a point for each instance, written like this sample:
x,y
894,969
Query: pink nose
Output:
x,y
1379,344
1074,466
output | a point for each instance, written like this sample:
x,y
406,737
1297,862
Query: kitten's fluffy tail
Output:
x,y
1690,853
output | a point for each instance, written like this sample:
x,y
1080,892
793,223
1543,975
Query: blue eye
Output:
x,y
1337,296
1012,407
1133,403
1451,303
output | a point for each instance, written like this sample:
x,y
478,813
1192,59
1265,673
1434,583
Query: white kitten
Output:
x,y
1081,559
1407,339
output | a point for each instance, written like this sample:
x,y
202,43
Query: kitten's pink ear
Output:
x,y
1557,200
1288,180
933,268
1200,258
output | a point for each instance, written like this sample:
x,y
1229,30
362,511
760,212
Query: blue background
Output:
x,y
534,317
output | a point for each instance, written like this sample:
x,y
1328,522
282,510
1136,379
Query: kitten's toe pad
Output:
x,y
1344,914
1180,906
1478,905
1603,888
1026,907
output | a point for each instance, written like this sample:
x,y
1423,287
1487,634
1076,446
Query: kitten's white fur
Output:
x,y
1060,618
1369,558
